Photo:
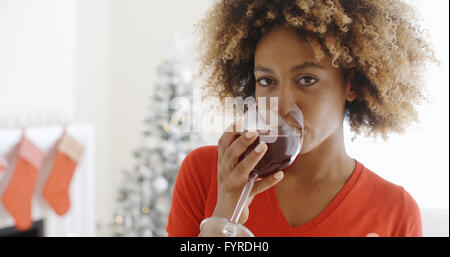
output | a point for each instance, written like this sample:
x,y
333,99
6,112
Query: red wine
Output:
x,y
282,150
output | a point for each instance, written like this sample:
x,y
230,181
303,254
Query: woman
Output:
x,y
335,59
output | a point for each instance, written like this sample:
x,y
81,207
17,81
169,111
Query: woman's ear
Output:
x,y
350,93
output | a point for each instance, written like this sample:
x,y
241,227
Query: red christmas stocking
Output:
x,y
18,194
56,189
2,164
2,167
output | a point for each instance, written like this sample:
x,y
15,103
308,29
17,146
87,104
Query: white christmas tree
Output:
x,y
145,194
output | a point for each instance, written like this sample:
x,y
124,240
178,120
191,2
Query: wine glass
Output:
x,y
284,138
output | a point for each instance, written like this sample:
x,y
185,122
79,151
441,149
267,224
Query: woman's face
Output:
x,y
285,67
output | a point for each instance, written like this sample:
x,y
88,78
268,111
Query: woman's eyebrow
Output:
x,y
293,69
263,69
306,65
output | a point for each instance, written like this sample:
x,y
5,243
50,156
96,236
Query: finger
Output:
x,y
228,137
267,182
245,166
237,148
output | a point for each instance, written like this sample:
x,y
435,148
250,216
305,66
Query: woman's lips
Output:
x,y
296,127
298,131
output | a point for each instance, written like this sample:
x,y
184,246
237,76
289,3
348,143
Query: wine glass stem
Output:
x,y
243,198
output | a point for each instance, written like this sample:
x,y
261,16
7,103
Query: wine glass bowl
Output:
x,y
284,138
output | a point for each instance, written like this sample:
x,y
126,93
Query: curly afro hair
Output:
x,y
378,42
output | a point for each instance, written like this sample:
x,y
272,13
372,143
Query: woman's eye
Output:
x,y
307,80
264,82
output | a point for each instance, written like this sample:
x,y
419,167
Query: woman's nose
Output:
x,y
286,101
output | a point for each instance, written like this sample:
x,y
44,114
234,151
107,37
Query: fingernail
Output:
x,y
251,134
261,146
278,175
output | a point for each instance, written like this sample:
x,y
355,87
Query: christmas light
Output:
x,y
119,219
145,209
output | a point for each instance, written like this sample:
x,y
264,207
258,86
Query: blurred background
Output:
x,y
109,70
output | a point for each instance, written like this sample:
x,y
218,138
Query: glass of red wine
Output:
x,y
284,138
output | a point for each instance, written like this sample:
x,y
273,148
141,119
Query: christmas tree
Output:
x,y
145,194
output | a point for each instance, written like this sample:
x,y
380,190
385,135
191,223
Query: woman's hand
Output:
x,y
232,175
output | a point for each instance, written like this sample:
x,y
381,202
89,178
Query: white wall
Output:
x,y
92,91
36,64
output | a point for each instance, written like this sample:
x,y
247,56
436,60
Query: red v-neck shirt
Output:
x,y
367,205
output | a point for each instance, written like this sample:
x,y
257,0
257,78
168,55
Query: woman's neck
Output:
x,y
327,163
